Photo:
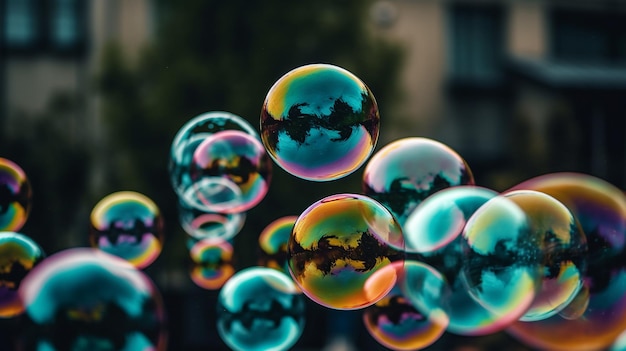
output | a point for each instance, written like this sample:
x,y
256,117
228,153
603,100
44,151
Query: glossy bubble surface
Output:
x,y
129,225
600,208
19,254
86,299
405,172
273,243
260,308
396,323
201,224
15,196
230,172
319,122
337,246
212,263
190,135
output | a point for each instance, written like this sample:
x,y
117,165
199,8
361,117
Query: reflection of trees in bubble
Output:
x,y
274,313
396,308
11,278
7,196
136,231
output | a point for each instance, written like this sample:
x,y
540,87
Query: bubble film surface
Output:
x,y
337,247
319,122
230,172
273,243
406,171
212,263
129,225
15,196
260,308
201,224
86,299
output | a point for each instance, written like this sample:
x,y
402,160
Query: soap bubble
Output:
x,y
201,224
405,172
337,246
212,263
19,254
230,173
15,196
319,122
129,225
260,308
86,299
273,243
190,135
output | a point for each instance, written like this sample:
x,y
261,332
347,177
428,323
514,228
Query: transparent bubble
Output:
x,y
337,246
230,173
260,308
212,263
273,243
19,254
600,208
129,225
86,299
191,134
395,322
319,122
15,196
201,224
405,172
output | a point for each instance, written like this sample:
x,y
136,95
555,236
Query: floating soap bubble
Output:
x,y
86,299
395,322
230,173
405,172
273,243
319,122
19,254
337,246
190,135
201,224
129,225
600,208
260,308
212,263
15,196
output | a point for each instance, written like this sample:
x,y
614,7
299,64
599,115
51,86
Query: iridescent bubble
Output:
x,y
201,224
337,246
190,135
273,243
230,173
405,172
129,225
319,122
212,263
19,254
15,196
600,208
86,299
395,322
260,308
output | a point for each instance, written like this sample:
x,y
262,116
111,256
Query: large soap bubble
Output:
x,y
319,122
15,196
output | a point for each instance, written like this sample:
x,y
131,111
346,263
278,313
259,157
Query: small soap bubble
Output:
x,y
129,225
15,196
405,172
337,246
319,122
212,263
273,243
200,224
260,308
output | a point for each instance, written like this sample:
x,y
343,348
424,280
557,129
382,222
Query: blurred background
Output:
x,y
92,93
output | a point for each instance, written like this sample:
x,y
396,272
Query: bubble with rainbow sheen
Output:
x,y
564,250
212,263
129,225
260,308
405,172
320,122
201,224
273,242
15,196
86,299
337,247
395,322
19,254
600,208
230,172
190,135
